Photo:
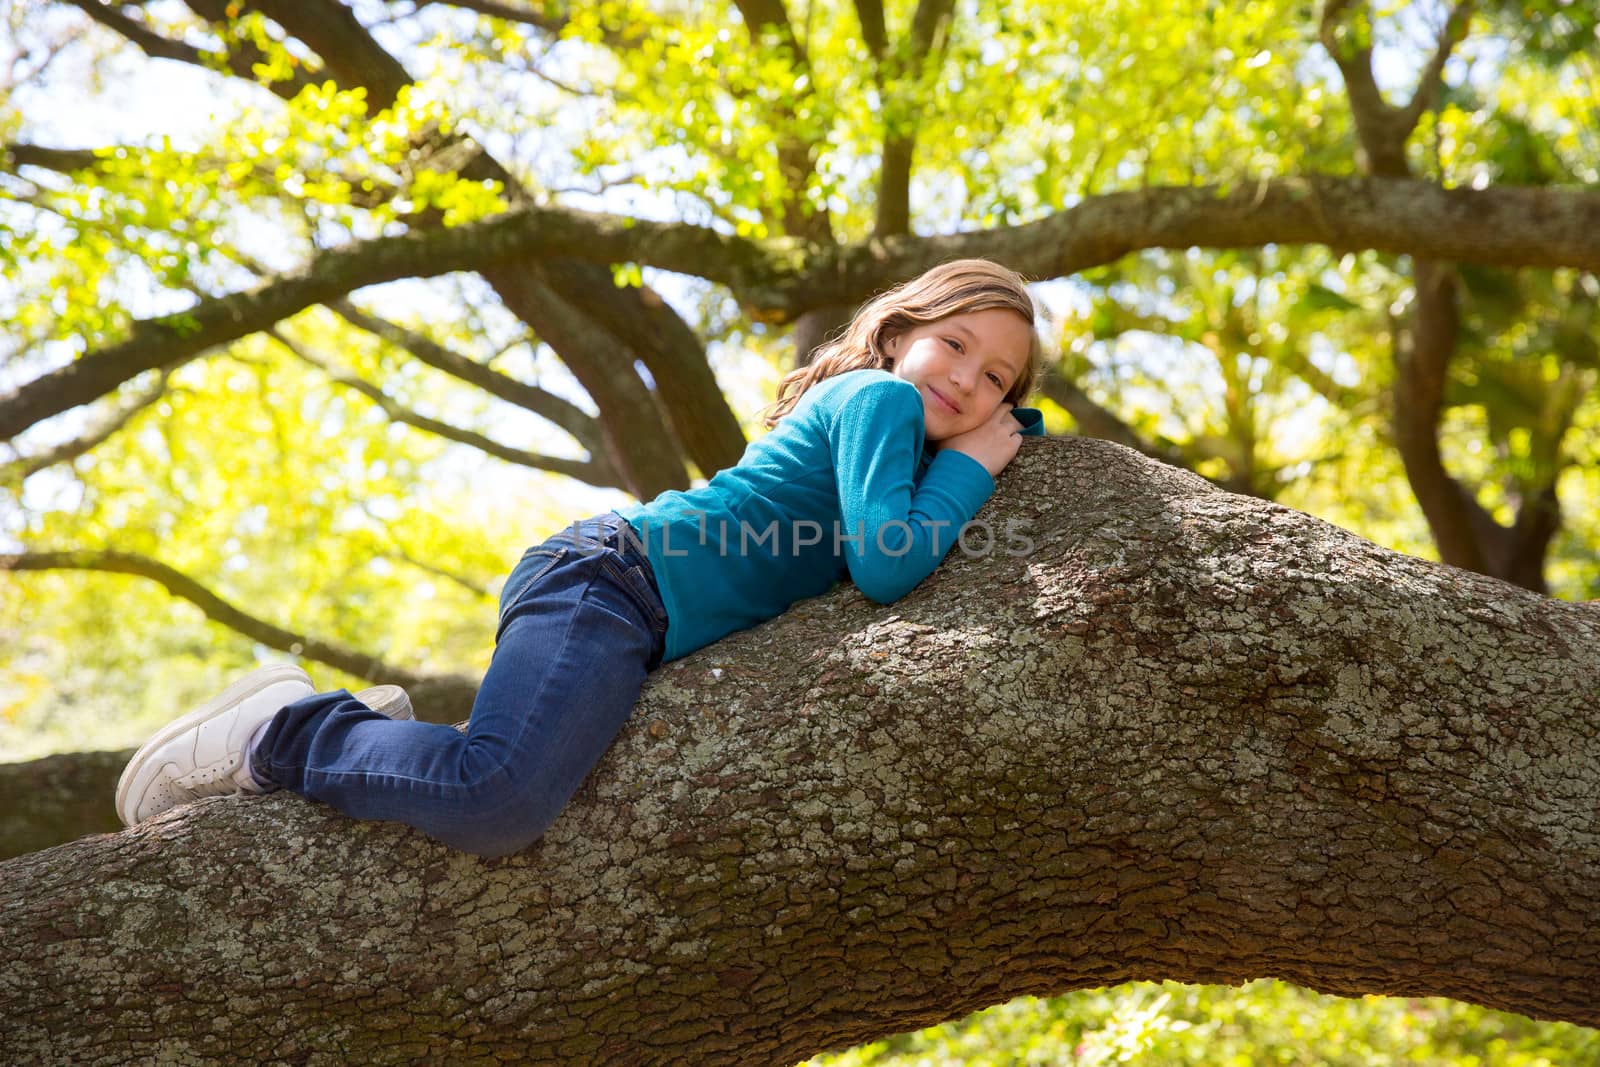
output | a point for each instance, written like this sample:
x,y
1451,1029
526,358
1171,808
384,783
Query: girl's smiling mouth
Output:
x,y
946,401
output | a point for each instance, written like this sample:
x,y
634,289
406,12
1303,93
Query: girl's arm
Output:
x,y
896,531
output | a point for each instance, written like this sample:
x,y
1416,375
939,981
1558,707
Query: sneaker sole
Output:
x,y
388,700
243,689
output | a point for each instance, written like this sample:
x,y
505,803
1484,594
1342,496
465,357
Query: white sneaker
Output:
x,y
201,754
388,700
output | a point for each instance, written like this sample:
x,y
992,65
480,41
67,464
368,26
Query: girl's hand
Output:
x,y
994,444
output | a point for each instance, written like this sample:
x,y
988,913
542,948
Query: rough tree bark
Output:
x,y
1190,735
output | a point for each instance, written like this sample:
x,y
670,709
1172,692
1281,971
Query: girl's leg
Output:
x,y
580,627
201,753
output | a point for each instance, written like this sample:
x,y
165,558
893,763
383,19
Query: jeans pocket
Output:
x,y
645,595
535,564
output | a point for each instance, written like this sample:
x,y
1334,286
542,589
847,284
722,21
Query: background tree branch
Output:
x,y
241,61
1501,225
351,661
592,471
99,431
541,402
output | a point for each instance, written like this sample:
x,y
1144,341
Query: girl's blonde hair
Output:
x,y
953,288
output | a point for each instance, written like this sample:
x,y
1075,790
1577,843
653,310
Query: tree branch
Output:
x,y
147,40
397,549
19,470
929,24
874,33
796,156
171,339
1095,420
551,24
60,160
692,401
611,37
1381,128
592,471
240,62
562,412
1465,533
1422,357
1493,225
635,433
1426,95
73,160
777,279
648,455
349,54
215,608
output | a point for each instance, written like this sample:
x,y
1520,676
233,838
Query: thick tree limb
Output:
x,y
1189,735
47,801
1415,218
776,279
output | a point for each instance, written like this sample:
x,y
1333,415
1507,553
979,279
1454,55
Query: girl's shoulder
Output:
x,y
841,389
873,399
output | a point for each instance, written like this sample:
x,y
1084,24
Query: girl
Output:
x,y
842,485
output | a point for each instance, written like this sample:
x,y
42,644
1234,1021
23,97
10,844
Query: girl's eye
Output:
x,y
953,343
995,378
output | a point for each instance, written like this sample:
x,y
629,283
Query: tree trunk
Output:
x,y
1189,735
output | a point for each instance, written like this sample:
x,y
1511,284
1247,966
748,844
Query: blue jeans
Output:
x,y
581,624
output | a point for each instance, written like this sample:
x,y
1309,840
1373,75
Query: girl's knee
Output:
x,y
499,822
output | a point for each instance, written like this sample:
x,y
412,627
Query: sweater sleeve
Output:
x,y
1032,420
896,530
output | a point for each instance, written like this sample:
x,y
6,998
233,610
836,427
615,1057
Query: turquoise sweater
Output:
x,y
840,487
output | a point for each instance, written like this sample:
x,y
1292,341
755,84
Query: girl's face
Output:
x,y
962,366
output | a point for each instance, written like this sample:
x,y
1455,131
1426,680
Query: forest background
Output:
x,y
348,481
